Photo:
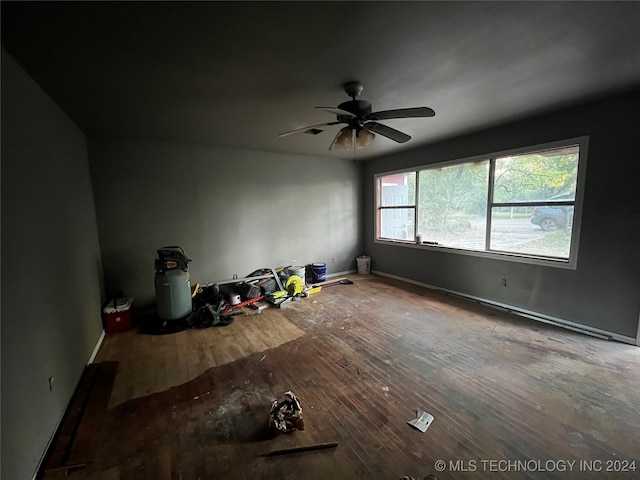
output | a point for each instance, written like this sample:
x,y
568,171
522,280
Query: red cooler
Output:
x,y
117,315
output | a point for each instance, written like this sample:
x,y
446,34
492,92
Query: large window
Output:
x,y
520,205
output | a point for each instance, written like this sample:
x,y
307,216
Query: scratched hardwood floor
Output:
x,y
363,358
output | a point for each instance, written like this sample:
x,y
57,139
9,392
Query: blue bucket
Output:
x,y
318,272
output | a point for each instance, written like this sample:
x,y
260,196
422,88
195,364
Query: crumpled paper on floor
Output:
x,y
422,421
286,413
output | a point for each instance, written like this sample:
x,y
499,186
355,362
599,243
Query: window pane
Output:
x,y
398,189
397,223
524,230
453,205
544,175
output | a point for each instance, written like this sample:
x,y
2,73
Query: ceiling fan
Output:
x,y
362,122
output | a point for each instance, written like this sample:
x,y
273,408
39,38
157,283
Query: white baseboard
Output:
x,y
559,322
96,348
341,274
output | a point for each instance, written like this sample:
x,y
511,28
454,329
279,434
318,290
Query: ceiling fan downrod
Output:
x,y
359,108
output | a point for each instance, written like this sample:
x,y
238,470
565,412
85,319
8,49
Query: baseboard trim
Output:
x,y
340,274
96,348
558,322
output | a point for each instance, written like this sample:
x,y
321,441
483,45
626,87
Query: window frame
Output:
x,y
570,263
393,208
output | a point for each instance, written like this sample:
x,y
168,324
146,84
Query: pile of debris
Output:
x,y
216,304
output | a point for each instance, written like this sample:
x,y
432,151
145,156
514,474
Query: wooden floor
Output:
x,y
362,359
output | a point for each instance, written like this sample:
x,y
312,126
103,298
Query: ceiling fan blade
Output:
x,y
337,111
392,133
304,129
401,113
335,139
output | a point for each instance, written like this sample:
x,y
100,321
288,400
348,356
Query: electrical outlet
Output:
x,y
51,384
504,282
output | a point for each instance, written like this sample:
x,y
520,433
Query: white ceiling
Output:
x,y
237,74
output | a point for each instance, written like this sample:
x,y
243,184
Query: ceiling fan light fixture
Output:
x,y
344,140
361,122
364,138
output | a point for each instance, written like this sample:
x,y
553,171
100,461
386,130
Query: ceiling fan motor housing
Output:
x,y
359,108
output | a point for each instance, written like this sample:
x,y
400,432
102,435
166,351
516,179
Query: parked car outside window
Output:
x,y
553,217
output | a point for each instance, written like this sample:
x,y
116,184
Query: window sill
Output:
x,y
504,256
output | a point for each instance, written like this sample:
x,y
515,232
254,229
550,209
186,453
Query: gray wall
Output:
x,y
233,211
51,275
604,291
